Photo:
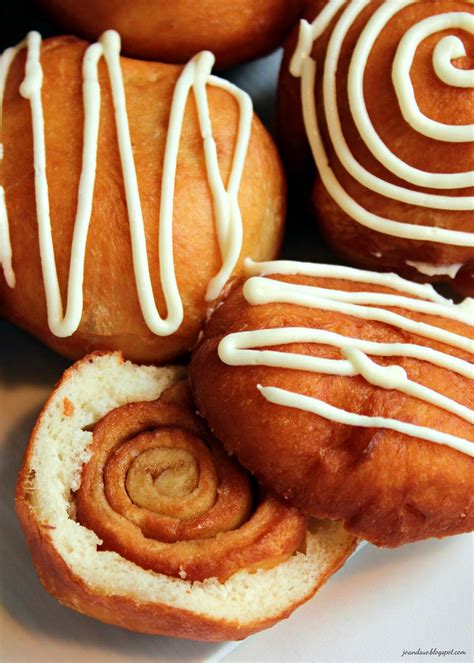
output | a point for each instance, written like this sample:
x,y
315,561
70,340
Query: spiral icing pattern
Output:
x,y
403,181
160,491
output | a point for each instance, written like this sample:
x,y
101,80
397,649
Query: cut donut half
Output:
x,y
270,570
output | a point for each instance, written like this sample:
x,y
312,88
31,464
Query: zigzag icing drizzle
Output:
x,y
448,48
195,75
242,348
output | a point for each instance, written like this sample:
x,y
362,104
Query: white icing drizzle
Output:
x,y
195,76
388,280
244,348
404,60
303,66
5,244
429,269
316,406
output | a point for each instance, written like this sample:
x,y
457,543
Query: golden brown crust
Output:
x,y
112,317
152,618
386,487
175,31
349,239
145,617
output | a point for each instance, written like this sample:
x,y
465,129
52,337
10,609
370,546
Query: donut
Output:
x,y
360,384
129,192
136,516
175,31
377,98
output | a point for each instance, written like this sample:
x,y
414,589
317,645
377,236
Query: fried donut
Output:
x,y
129,193
384,92
360,385
175,31
136,516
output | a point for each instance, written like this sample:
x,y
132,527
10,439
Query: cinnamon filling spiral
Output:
x,y
160,491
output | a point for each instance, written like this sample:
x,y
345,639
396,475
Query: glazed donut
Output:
x,y
175,31
129,192
384,92
361,385
136,516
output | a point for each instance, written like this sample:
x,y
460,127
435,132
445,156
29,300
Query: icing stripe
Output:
x,y
196,76
433,270
314,405
245,348
5,244
265,291
258,288
236,348
387,280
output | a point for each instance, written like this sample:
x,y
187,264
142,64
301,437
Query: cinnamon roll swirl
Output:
x,y
136,515
163,493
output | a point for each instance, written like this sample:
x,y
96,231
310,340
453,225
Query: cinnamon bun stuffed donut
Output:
x,y
129,191
378,96
136,516
175,31
361,385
